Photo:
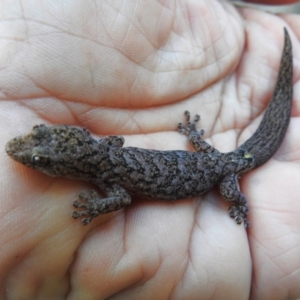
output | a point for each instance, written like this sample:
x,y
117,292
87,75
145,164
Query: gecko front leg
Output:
x,y
229,188
94,206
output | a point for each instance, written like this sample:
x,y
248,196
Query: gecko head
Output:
x,y
53,149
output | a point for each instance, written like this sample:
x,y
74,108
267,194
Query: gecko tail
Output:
x,y
268,137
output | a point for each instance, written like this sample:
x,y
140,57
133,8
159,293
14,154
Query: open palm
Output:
x,y
132,69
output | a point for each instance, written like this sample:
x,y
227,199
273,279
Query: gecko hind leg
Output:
x,y
229,188
195,136
94,206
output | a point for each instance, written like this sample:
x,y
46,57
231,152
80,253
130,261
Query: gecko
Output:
x,y
125,172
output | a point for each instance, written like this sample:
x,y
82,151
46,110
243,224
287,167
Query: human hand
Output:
x,y
133,70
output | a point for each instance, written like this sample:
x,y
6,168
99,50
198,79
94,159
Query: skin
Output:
x,y
139,87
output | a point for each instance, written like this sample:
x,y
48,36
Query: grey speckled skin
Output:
x,y
67,151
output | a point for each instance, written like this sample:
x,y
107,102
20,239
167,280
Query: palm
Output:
x,y
133,70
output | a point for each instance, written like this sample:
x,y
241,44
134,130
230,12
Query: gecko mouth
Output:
x,y
13,147
16,150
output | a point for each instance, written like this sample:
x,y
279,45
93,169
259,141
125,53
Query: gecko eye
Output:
x,y
38,160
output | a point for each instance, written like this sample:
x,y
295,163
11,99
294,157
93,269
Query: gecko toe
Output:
x,y
239,214
86,221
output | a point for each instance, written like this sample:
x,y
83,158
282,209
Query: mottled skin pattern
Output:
x,y
269,135
67,151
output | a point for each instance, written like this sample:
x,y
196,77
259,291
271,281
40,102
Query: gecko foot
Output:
x,y
190,126
94,206
239,214
195,136
89,203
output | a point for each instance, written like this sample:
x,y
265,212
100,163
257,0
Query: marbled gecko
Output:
x,y
63,150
